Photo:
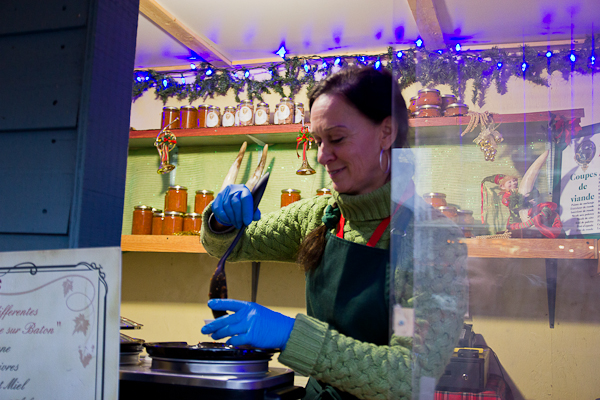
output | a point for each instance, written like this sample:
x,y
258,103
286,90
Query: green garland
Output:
x,y
451,67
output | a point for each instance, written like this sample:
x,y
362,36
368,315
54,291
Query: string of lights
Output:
x,y
452,66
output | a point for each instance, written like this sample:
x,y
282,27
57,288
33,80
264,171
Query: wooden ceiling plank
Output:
x,y
428,23
199,44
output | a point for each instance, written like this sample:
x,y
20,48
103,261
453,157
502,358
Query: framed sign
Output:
x,y
59,324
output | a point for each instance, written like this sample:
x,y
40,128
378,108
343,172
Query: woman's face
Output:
x,y
349,145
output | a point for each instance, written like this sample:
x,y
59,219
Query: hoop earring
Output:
x,y
389,161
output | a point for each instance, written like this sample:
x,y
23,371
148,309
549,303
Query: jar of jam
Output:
x,y
157,222
262,114
456,109
176,199
467,231
428,97
202,115
228,118
284,114
246,112
213,117
299,114
465,217
192,222
173,223
169,115
429,111
412,107
447,99
321,192
189,117
203,198
448,211
288,196
435,199
142,220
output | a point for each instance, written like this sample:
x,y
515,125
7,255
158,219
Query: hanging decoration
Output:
x,y
165,142
305,139
489,137
453,66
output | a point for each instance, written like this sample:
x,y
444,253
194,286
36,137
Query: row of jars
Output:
x,y
429,103
463,218
244,114
289,196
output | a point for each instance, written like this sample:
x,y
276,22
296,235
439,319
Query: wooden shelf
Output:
x,y
427,129
162,244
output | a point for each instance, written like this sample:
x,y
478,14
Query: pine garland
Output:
x,y
444,67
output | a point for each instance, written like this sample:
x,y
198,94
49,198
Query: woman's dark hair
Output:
x,y
376,95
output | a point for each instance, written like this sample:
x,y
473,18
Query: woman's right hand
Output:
x,y
234,205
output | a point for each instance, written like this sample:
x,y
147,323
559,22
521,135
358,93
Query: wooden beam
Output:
x,y
199,44
427,23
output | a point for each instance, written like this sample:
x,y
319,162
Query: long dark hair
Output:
x,y
376,95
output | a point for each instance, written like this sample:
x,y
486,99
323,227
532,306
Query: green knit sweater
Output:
x,y
430,276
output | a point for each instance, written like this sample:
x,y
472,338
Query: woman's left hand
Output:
x,y
252,324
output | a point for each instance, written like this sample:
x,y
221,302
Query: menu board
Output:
x,y
580,187
59,324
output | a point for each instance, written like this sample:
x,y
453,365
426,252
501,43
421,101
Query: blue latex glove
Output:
x,y
234,206
252,324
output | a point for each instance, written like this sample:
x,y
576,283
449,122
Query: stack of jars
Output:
x,y
175,218
190,117
463,218
430,104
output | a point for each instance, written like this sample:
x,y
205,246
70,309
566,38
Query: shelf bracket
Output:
x,y
255,273
551,278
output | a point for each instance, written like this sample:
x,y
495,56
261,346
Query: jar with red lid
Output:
x,y
142,220
202,115
448,211
262,115
169,115
299,114
189,117
192,222
435,199
213,118
246,113
321,192
456,109
157,222
428,97
173,223
202,199
284,112
228,118
447,99
412,107
288,196
429,111
176,199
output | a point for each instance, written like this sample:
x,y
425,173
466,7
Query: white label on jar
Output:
x,y
228,119
245,114
299,116
212,119
283,112
237,117
260,118
276,117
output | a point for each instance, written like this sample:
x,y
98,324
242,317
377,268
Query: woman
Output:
x,y
344,343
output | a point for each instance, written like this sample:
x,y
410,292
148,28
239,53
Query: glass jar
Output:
x,y
435,199
142,220
203,198
246,112
262,115
189,117
202,115
321,192
412,107
467,231
176,199
213,117
192,222
157,223
173,223
465,217
284,114
288,196
456,109
428,97
447,99
228,118
448,211
429,111
169,115
299,114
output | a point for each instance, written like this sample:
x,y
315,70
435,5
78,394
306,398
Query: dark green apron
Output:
x,y
350,291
